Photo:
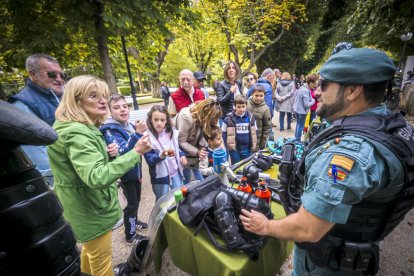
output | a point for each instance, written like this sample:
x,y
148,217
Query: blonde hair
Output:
x,y
285,76
206,114
70,109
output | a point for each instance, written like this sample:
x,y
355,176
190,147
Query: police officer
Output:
x,y
351,180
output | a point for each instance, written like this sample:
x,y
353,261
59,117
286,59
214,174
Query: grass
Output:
x,y
149,100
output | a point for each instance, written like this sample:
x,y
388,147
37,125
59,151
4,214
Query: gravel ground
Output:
x,y
397,250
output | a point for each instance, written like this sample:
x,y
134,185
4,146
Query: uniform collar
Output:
x,y
378,110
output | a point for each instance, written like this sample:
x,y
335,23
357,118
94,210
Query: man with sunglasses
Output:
x,y
357,173
40,97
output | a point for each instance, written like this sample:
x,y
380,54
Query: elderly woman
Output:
x,y
191,123
84,177
229,88
285,96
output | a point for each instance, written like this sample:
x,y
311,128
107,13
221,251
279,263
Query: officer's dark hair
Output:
x,y
374,92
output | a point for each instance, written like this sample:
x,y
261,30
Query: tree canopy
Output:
x,y
164,37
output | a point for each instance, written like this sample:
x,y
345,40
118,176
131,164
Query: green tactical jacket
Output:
x,y
85,179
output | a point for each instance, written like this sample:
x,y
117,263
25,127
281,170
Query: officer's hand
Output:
x,y
112,149
254,222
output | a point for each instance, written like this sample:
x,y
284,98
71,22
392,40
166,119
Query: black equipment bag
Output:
x,y
198,200
196,210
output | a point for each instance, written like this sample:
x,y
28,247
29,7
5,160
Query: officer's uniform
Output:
x,y
345,173
362,171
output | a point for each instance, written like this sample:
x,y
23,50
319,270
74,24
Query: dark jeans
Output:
x,y
187,175
282,120
300,123
132,192
239,154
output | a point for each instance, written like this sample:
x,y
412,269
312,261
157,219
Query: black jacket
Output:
x,y
225,98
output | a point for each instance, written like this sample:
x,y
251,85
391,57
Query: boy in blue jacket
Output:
x,y
117,129
239,131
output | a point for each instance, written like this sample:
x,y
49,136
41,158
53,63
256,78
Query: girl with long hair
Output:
x,y
165,159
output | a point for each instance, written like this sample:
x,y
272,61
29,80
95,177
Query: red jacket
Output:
x,y
182,99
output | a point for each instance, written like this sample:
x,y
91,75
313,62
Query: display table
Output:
x,y
198,256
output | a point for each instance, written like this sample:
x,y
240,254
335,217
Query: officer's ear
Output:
x,y
354,92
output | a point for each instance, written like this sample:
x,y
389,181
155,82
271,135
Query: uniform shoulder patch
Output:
x,y
337,174
342,161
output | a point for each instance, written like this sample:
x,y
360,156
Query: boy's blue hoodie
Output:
x,y
114,131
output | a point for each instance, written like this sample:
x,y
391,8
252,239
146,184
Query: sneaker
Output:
x,y
118,224
135,239
141,225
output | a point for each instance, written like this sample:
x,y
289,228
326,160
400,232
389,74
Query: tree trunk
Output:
x,y
155,78
141,84
156,86
102,42
408,99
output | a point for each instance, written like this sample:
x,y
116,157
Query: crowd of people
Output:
x,y
95,153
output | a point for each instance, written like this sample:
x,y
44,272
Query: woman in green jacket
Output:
x,y
84,177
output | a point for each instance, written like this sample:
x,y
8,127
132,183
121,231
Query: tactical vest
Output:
x,y
370,221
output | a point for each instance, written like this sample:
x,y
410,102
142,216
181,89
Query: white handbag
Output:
x,y
123,202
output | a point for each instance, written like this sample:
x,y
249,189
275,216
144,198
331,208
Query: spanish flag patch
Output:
x,y
340,174
342,161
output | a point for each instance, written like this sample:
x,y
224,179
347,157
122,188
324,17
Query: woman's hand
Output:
x,y
140,127
112,149
143,145
202,153
183,160
233,88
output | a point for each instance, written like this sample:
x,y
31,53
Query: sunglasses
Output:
x,y
53,75
323,84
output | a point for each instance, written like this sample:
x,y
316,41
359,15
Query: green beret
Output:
x,y
358,66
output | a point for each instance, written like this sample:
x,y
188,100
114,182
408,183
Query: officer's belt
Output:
x,y
341,255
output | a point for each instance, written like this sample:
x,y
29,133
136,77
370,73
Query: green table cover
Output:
x,y
198,256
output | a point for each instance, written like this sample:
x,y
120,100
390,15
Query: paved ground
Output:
x,y
397,250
